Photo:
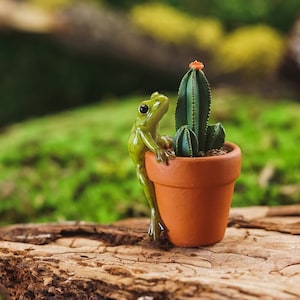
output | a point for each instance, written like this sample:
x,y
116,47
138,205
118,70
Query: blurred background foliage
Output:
x,y
74,164
233,39
242,49
279,14
173,26
258,58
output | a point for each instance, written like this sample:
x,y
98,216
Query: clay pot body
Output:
x,y
194,195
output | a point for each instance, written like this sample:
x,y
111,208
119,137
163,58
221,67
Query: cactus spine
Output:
x,y
193,135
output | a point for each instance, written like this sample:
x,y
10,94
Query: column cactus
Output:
x,y
194,137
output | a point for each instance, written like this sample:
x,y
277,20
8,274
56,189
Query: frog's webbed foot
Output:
x,y
155,229
156,226
163,155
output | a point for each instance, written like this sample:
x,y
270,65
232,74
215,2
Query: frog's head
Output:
x,y
151,111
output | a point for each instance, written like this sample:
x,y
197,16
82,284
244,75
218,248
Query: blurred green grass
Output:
x,y
75,166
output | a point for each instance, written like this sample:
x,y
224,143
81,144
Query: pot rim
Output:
x,y
235,150
196,171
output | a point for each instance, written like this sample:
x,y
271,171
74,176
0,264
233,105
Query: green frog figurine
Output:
x,y
144,136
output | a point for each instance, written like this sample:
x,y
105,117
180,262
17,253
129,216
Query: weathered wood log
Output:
x,y
259,258
25,17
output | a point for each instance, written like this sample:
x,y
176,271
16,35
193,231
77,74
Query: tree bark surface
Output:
x,y
259,258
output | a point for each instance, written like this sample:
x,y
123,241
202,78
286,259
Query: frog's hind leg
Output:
x,y
156,224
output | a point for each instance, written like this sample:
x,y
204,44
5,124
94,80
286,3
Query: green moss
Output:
x,y
75,165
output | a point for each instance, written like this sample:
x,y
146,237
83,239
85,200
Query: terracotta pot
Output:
x,y
194,195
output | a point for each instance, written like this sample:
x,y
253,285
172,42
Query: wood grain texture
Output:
x,y
259,258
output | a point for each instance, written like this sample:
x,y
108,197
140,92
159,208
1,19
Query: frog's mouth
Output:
x,y
158,110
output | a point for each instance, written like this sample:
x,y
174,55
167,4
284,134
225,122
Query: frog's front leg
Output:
x,y
161,148
156,223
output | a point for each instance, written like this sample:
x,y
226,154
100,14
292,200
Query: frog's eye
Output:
x,y
143,108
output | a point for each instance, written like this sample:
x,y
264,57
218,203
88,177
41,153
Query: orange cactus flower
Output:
x,y
196,65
